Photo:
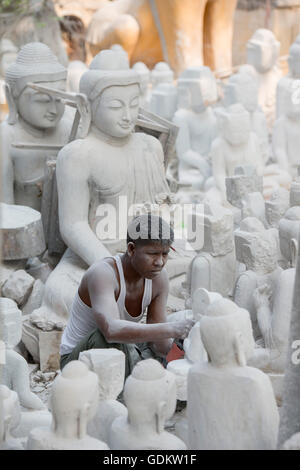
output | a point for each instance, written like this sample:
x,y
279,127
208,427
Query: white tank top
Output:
x,y
82,322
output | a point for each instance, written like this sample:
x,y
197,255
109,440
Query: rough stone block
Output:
x,y
18,287
35,298
22,232
109,365
10,323
49,343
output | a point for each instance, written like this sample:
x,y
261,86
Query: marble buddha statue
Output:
x,y
34,118
150,397
144,73
237,145
286,84
230,405
241,88
262,53
286,134
161,73
197,125
74,398
111,167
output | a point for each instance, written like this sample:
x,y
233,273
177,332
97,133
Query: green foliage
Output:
x,y
14,6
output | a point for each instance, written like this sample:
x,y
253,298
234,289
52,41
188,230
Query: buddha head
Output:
x,y
235,124
262,50
10,323
242,88
161,73
150,395
35,63
74,400
289,232
294,59
144,73
202,87
164,100
225,307
255,246
113,90
223,341
8,55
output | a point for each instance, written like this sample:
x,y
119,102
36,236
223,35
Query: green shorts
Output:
x,y
95,340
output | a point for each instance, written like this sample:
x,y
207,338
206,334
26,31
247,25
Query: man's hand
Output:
x,y
182,328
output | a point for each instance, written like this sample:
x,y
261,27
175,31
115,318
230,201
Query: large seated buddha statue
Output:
x,y
98,178
34,118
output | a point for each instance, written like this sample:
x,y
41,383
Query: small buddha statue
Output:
x,y
286,134
161,73
214,266
150,397
197,125
144,73
242,88
218,390
262,53
287,84
237,145
34,118
257,248
10,415
74,398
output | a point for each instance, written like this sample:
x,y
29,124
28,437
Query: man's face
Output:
x,y
39,109
116,112
149,259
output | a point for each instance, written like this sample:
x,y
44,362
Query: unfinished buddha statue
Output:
x,y
214,267
262,54
257,248
111,167
286,134
241,88
197,125
237,145
161,73
287,84
144,73
74,399
219,389
34,118
150,397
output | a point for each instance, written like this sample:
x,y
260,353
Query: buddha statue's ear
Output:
x,y
294,251
12,106
239,350
161,416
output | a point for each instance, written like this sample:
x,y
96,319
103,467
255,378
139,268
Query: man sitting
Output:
x,y
114,294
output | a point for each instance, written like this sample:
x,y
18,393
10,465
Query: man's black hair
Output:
x,y
148,228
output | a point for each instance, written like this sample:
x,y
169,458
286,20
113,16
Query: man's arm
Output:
x,y
157,313
101,287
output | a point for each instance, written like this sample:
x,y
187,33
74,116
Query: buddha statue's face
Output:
x,y
237,128
262,55
40,110
293,103
115,112
245,93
